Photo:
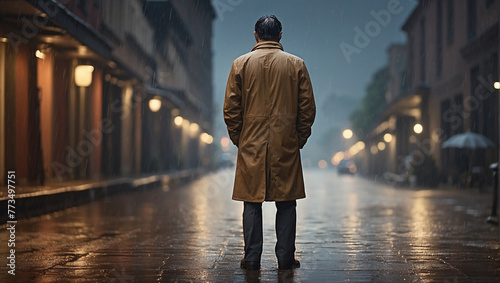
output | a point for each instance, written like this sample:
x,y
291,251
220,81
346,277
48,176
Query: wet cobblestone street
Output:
x,y
349,229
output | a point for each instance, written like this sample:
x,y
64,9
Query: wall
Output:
x,y
127,138
2,114
96,124
45,84
22,133
62,75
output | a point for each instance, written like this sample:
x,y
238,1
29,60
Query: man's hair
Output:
x,y
268,27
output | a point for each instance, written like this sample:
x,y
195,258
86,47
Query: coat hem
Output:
x,y
273,200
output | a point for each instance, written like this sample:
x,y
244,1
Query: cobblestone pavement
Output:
x,y
349,229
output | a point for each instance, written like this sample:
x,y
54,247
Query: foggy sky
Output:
x,y
314,31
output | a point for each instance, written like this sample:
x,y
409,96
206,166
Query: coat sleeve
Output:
x,y
306,107
233,111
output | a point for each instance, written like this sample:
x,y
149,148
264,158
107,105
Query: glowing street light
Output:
x,y
356,148
194,128
496,85
154,105
337,157
83,75
347,134
322,164
178,121
418,128
387,137
206,138
40,55
381,146
224,141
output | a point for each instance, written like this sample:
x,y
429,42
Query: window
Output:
x,y
82,5
471,19
458,109
439,34
473,103
410,61
452,115
490,99
422,50
133,22
449,22
447,117
493,68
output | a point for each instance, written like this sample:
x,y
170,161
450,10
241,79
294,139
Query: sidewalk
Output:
x,y
349,229
33,201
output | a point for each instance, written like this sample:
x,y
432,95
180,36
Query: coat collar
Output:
x,y
267,44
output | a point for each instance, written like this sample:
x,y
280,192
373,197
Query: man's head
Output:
x,y
268,27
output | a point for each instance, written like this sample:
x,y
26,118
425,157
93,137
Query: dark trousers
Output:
x,y
286,220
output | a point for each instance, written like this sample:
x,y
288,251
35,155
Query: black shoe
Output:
x,y
292,265
249,265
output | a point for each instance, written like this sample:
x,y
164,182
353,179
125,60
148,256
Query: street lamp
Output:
x,y
356,148
40,55
322,164
347,134
337,157
224,141
185,123
194,128
178,121
83,75
496,85
206,138
387,137
154,105
418,128
381,146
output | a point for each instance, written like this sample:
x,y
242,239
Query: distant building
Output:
x,y
87,91
451,66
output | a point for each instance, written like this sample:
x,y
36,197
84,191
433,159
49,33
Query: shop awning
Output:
x,y
407,105
61,25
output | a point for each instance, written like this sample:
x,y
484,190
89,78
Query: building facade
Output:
x,y
86,92
450,70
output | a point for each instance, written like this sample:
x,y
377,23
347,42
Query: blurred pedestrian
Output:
x,y
269,110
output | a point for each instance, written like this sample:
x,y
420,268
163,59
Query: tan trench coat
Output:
x,y
269,110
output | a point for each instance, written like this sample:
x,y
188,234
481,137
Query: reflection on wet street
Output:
x,y
349,229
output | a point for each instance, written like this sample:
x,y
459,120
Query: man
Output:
x,y
269,110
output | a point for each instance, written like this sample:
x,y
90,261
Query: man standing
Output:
x,y
269,110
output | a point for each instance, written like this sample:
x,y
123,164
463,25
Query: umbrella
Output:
x,y
468,140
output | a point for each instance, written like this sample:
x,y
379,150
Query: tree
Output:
x,y
365,117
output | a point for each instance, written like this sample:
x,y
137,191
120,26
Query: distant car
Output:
x,y
346,166
225,160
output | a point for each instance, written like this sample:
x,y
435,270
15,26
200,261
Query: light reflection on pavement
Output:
x,y
349,229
